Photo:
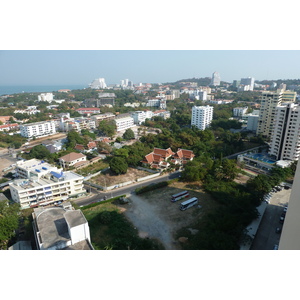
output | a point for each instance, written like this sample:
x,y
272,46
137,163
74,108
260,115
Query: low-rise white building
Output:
x,y
44,185
45,97
138,117
38,129
63,227
239,111
124,123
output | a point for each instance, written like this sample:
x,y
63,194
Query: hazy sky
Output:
x,y
55,67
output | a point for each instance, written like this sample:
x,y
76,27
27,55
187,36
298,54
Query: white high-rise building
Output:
x,y
98,83
285,140
248,81
202,116
215,80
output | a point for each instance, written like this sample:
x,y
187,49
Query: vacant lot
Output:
x,y
155,216
108,178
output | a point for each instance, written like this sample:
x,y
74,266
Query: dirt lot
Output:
x,y
109,179
155,216
6,161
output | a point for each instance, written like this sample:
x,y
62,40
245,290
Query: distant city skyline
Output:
x,y
81,67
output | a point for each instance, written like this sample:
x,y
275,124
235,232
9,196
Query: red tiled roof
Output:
x,y
91,145
9,125
184,154
79,147
81,163
165,153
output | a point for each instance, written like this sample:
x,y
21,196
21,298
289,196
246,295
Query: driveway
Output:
x,y
266,237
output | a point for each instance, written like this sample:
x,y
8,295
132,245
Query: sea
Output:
x,y
16,89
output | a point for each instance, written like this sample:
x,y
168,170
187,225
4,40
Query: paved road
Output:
x,y
266,237
98,195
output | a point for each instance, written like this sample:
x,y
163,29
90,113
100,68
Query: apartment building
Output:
x,y
99,118
239,111
157,103
44,184
38,129
285,138
88,110
76,124
124,123
249,81
202,116
269,102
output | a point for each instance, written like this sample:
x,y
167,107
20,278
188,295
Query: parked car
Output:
x,y
281,220
275,247
278,230
285,209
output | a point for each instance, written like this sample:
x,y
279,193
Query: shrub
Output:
x,y
151,187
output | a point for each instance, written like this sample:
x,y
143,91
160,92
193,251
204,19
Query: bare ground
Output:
x,y
109,179
155,216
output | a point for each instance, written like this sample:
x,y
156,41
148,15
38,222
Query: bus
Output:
x,y
180,196
188,203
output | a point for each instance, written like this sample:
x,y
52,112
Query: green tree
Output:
x,y
118,165
39,152
9,221
128,134
108,128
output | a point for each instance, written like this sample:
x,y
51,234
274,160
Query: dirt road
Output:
x,y
149,223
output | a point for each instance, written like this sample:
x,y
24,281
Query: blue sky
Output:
x,y
53,67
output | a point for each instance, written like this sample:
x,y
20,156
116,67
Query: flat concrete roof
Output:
x,y
52,226
74,218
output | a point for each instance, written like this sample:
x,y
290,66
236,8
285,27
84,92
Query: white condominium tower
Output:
x,y
215,80
285,140
98,83
248,81
202,116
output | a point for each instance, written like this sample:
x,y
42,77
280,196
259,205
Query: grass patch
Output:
x,y
93,168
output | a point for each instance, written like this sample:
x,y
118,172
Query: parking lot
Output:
x,y
266,236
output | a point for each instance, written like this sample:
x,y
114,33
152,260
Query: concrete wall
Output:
x,y
148,177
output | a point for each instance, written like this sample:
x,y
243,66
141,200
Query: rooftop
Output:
x,y
72,156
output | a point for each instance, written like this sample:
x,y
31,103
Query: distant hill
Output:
x,y
279,81
204,81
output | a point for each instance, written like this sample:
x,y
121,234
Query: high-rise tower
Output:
x,y
215,80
